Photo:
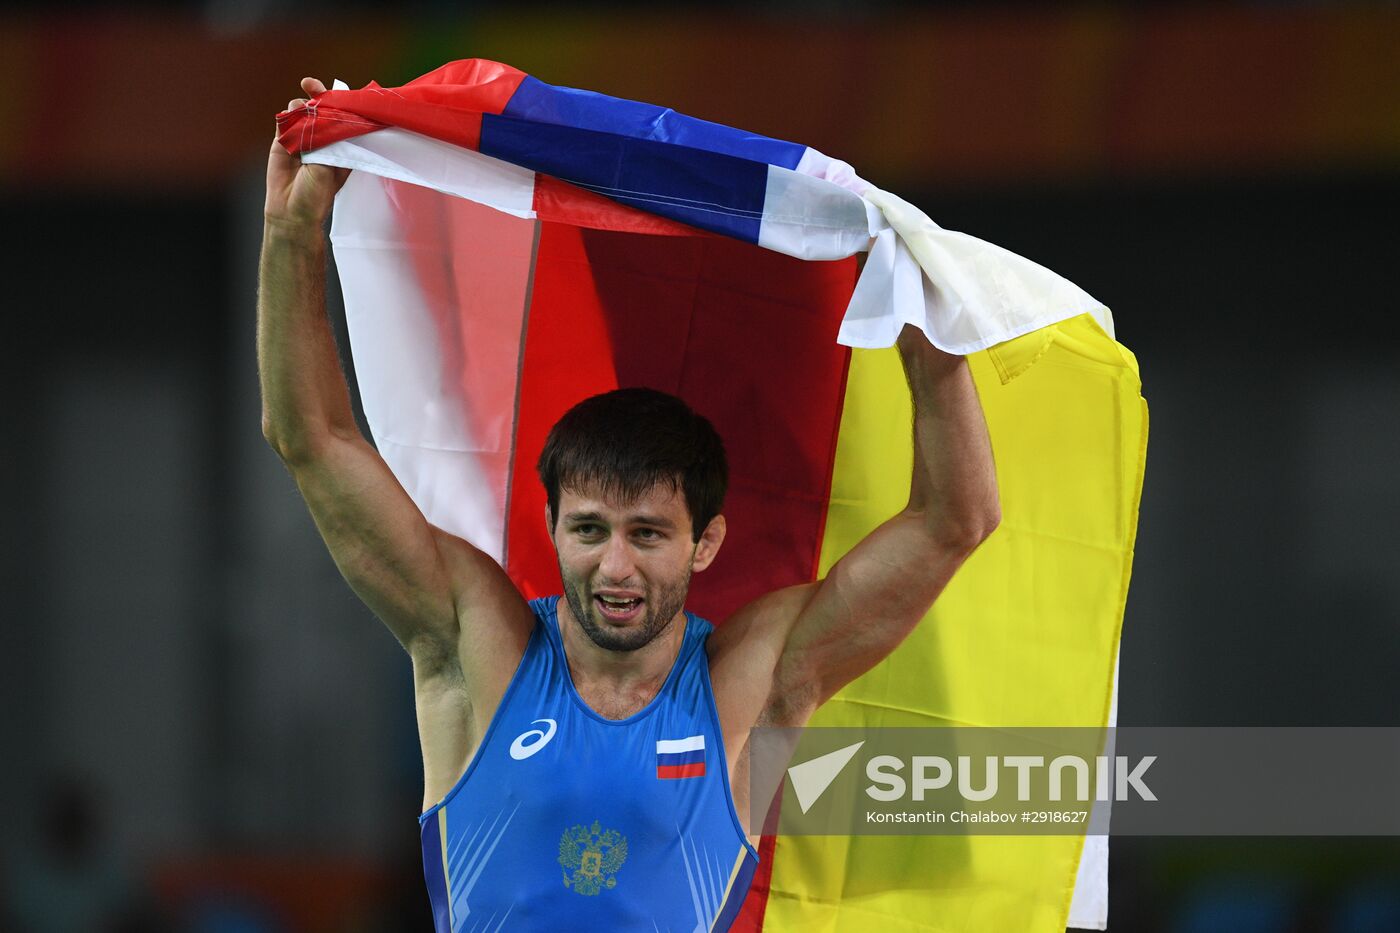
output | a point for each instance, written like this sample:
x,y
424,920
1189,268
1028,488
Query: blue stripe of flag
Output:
x,y
709,190
565,106
680,758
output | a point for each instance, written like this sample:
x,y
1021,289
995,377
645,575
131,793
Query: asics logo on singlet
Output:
x,y
532,740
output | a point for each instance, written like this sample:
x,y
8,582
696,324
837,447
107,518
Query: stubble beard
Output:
x,y
662,605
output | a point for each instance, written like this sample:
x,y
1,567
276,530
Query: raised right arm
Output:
x,y
421,581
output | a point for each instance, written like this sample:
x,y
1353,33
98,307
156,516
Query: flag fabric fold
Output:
x,y
507,248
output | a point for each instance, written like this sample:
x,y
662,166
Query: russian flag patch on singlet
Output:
x,y
681,758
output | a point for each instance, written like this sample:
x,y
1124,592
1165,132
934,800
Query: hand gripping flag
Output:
x,y
507,248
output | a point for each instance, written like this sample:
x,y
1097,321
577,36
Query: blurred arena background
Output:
x,y
203,730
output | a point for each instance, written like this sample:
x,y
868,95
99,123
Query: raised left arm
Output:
x,y
875,595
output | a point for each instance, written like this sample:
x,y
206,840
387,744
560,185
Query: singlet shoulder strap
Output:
x,y
696,631
546,610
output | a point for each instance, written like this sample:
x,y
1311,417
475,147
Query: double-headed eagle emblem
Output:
x,y
594,856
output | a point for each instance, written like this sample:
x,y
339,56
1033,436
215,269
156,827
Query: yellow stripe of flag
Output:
x,y
1025,635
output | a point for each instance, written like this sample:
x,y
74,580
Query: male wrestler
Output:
x,y
584,757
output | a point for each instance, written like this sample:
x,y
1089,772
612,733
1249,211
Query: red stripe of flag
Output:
x,y
418,106
694,769
745,335
561,202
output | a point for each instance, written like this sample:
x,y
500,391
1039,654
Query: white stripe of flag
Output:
x,y
672,746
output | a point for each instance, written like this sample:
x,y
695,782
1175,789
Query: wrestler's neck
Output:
x,y
619,673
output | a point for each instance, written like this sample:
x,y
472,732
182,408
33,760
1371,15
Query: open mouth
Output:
x,y
616,609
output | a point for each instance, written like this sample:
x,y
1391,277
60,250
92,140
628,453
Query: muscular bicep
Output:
x,y
865,607
387,551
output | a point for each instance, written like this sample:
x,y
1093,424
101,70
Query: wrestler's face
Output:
x,y
626,566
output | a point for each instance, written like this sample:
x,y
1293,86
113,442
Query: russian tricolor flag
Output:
x,y
490,133
681,758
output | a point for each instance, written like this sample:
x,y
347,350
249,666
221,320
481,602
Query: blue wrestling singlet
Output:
x,y
566,820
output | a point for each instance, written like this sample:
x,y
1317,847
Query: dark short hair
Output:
x,y
623,442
